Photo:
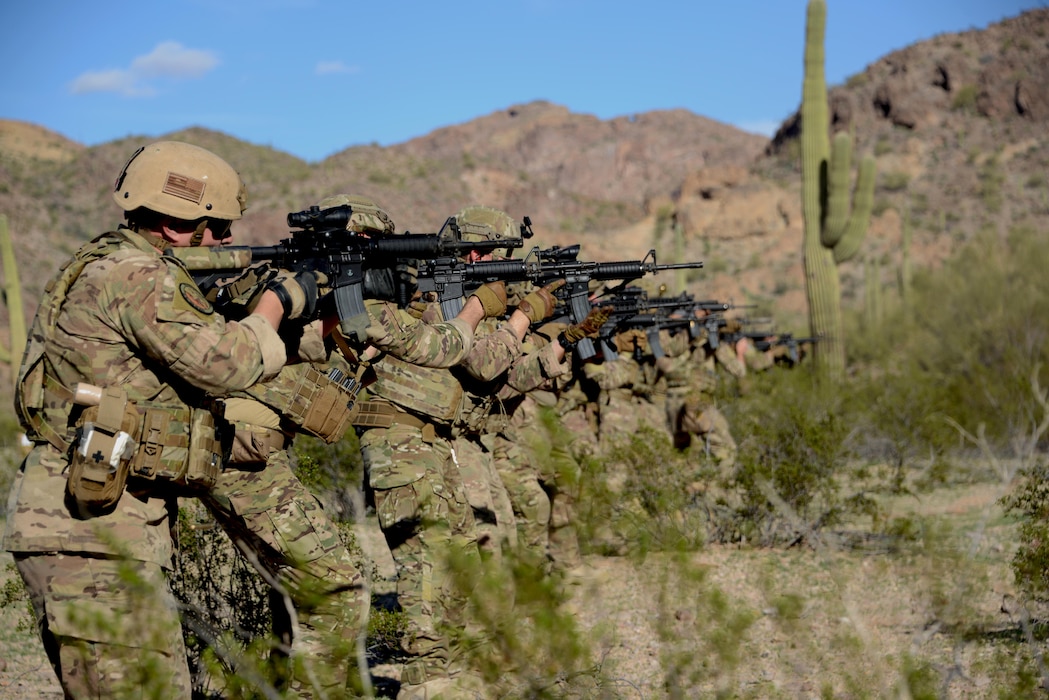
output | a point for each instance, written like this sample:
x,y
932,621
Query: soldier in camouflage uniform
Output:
x,y
267,510
418,464
539,474
127,325
690,373
391,440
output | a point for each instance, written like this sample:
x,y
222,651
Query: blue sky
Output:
x,y
313,77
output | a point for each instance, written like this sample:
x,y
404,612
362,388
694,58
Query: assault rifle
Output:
x,y
322,244
673,311
449,278
631,308
767,340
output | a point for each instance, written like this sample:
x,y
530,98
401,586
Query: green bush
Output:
x,y
965,99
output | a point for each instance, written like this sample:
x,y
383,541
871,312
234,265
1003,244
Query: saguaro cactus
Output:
x,y
832,234
12,292
906,275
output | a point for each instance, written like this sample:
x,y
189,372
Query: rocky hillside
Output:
x,y
956,123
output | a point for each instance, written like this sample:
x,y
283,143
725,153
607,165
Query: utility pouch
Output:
x,y
178,445
326,403
105,443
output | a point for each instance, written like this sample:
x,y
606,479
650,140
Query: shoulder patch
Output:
x,y
192,296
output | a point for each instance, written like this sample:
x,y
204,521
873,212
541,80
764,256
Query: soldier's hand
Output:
x,y
493,298
298,292
416,308
540,303
630,339
590,326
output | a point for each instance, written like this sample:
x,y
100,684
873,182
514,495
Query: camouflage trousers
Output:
x,y
690,415
493,511
426,518
542,490
110,627
274,519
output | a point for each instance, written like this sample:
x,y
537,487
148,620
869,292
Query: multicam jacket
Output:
x,y
120,313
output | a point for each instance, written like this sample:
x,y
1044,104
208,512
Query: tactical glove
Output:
x,y
493,298
590,326
298,292
539,305
630,339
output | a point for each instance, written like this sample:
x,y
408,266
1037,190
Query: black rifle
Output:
x,y
541,268
766,340
322,244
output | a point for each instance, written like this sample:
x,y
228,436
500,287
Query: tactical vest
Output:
x,y
42,403
112,436
426,391
317,400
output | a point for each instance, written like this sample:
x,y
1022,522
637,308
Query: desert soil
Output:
x,y
844,620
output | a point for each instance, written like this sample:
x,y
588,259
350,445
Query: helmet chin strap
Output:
x,y
198,234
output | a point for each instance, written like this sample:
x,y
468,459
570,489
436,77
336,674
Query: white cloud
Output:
x,y
169,59
173,60
329,67
766,127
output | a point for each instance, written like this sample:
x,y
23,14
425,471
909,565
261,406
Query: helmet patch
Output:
x,y
184,187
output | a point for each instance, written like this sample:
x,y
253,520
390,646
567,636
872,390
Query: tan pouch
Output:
x,y
105,443
178,444
330,403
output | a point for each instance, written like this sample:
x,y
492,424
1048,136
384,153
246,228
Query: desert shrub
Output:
x,y
1030,502
895,181
980,326
522,639
227,607
797,449
637,498
225,604
965,99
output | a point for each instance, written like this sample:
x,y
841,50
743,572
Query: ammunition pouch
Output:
x,y
180,445
324,405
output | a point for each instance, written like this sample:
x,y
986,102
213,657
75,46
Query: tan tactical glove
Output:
x,y
493,298
629,339
298,292
539,305
590,326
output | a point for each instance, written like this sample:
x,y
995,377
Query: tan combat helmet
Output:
x,y
366,215
181,180
478,223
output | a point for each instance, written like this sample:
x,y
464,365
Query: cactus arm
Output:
x,y
837,190
862,204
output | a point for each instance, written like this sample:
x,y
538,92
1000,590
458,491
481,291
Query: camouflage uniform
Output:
x,y
415,469
119,313
263,506
691,380
533,484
